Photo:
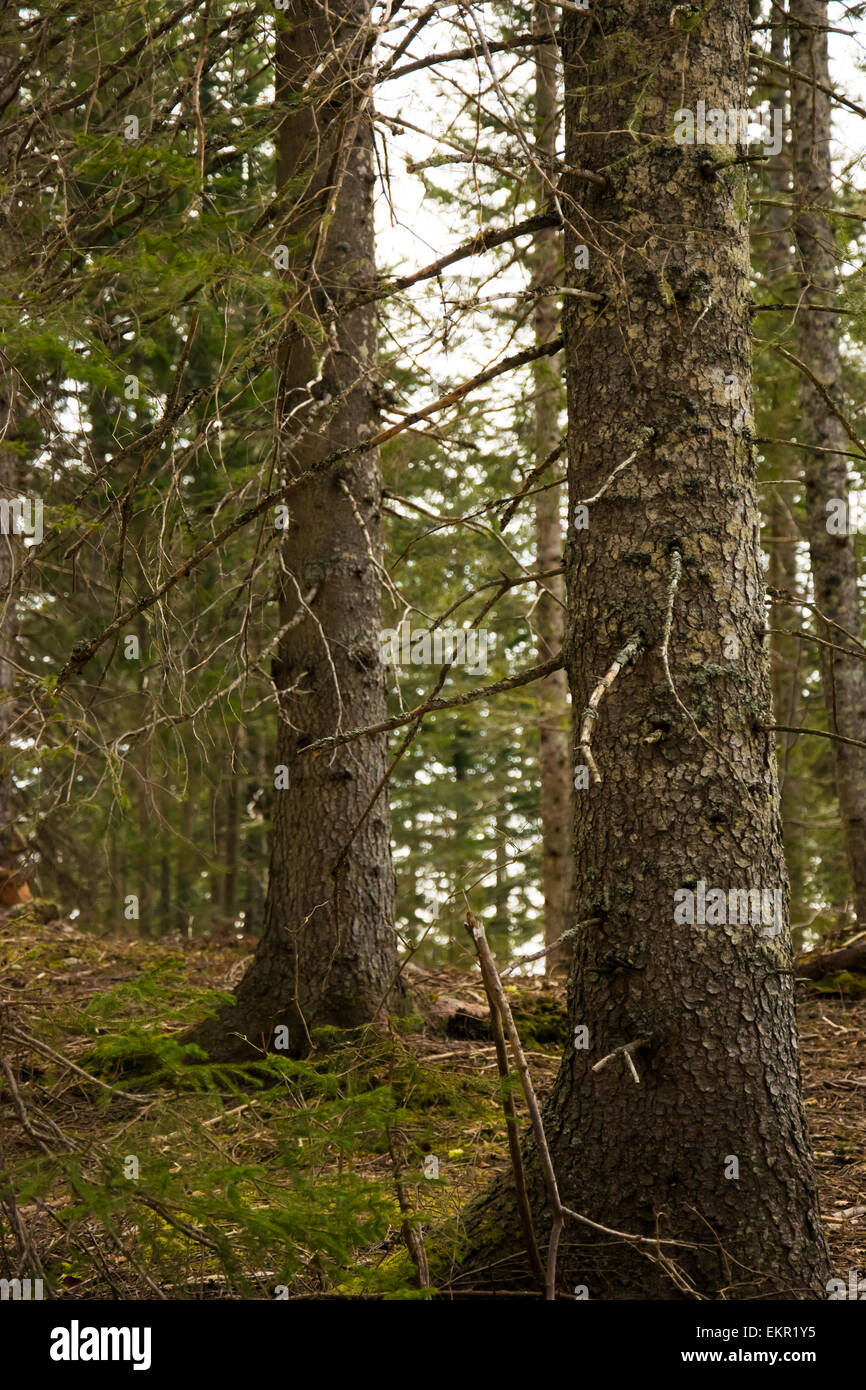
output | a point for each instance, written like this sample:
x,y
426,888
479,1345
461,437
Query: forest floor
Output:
x,y
125,1172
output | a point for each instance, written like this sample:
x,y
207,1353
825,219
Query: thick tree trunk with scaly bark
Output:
x,y
710,1148
833,556
327,955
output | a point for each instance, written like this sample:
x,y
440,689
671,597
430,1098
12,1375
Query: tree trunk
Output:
x,y
9,875
186,857
233,795
143,799
215,880
711,1146
781,532
12,887
254,897
553,714
165,883
327,955
144,855
834,560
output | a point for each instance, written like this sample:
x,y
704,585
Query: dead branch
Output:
x,y
825,396
816,733
514,1150
817,964
590,714
476,930
432,706
625,1050
484,241
411,1234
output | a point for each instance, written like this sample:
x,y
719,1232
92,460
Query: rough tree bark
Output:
x,y
551,692
833,556
711,1146
327,955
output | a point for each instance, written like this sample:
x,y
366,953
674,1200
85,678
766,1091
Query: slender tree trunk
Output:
x,y
834,560
8,490
553,715
780,542
10,875
463,812
233,793
166,840
782,533
144,857
253,897
215,876
164,884
187,860
327,955
143,799
711,1146
499,928
120,888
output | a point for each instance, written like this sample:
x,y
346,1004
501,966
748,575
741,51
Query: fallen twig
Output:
x,y
523,1207
499,1001
411,1234
40,1046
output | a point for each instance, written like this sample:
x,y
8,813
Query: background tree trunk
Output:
x,y
186,859
327,955
782,532
144,857
834,560
233,797
553,712
143,802
11,878
215,880
254,839
711,1145
165,923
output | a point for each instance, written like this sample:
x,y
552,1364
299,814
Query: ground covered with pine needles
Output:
x,y
129,1169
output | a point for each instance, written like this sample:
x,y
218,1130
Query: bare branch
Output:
x,y
535,673
590,714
